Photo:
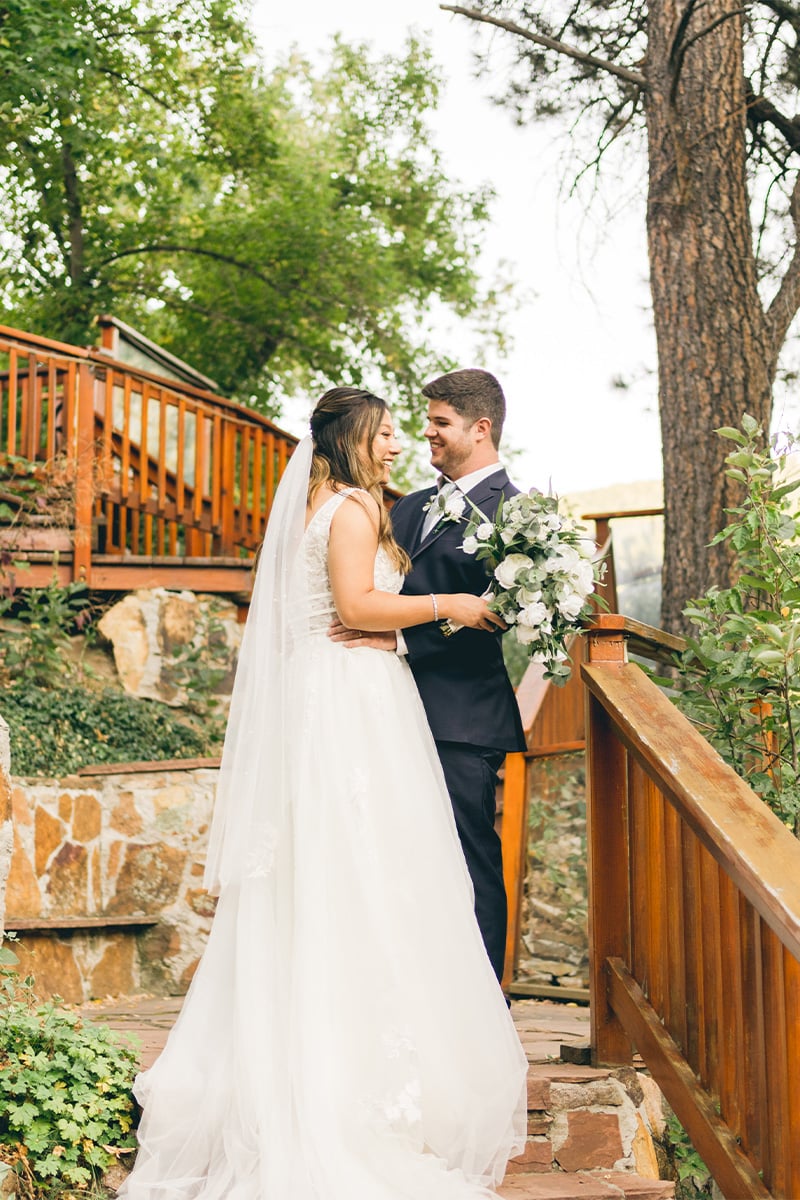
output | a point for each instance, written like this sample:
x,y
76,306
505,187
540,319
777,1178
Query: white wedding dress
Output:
x,y
344,1037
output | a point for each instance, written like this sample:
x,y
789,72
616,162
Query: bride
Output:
x,y
344,1037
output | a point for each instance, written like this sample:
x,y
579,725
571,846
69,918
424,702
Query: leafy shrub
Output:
x,y
66,1108
692,1177
33,646
54,731
740,676
57,722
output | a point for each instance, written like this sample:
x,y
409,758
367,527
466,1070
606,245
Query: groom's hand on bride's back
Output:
x,y
353,638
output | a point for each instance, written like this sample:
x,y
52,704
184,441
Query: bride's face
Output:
x,y
385,446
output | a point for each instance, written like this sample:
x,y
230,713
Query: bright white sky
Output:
x,y
582,314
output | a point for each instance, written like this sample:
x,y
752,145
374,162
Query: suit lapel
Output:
x,y
484,494
417,521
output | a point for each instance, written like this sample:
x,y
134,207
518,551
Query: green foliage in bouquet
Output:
x,y
740,676
66,1109
542,574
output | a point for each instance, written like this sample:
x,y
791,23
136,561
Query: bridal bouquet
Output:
x,y
542,574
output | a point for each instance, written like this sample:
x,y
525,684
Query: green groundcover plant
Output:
x,y
66,1109
55,731
60,717
739,679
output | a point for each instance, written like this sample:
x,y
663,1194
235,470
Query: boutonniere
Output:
x,y
449,505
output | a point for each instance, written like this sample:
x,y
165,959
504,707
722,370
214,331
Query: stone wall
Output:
x,y
111,846
554,949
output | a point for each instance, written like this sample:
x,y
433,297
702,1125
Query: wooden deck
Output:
x,y
166,485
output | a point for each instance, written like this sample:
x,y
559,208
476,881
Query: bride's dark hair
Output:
x,y
344,421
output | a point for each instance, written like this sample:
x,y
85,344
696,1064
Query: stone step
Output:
x,y
594,1185
590,1135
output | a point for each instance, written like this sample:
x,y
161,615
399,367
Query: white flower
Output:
x,y
533,615
454,506
526,635
565,558
507,571
484,531
570,606
470,545
583,577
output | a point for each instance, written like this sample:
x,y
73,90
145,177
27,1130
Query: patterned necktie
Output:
x,y
437,507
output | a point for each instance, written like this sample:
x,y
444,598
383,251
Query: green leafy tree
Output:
x,y
740,676
276,230
706,93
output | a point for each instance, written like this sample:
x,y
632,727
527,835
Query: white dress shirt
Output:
x,y
465,483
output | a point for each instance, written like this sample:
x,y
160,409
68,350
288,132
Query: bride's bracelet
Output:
x,y
435,604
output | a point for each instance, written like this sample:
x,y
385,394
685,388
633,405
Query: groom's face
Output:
x,y
453,443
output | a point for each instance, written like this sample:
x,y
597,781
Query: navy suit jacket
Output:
x,y
462,678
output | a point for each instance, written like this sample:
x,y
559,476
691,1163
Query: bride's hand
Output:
x,y
472,611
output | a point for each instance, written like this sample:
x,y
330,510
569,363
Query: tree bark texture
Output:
x,y
715,352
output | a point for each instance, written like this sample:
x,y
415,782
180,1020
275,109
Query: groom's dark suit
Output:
x,y
468,698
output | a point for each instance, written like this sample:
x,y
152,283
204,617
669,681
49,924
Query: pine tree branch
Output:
x,y
540,39
785,11
786,302
761,111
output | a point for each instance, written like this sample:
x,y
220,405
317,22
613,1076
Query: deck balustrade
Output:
x,y
172,485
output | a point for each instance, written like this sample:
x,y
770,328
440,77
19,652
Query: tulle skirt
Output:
x,y
344,1037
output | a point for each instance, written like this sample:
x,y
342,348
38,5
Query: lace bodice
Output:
x,y
316,582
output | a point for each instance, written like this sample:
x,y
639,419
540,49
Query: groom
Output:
x,y
468,698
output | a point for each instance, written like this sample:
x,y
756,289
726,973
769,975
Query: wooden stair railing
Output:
x,y
694,926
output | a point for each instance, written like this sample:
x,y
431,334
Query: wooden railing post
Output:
x,y
608,588
608,850
84,476
515,852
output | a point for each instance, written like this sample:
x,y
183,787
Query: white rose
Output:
x,y
526,636
566,558
582,577
506,572
570,606
484,531
470,545
454,505
533,614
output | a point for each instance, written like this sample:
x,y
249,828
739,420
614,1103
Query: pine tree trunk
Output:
x,y
713,349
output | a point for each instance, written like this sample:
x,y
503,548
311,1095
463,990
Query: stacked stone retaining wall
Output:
x,y
111,846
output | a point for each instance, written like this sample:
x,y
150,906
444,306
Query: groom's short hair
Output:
x,y
473,394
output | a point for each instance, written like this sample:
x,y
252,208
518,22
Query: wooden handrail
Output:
x,y
20,338
646,641
694,927
619,513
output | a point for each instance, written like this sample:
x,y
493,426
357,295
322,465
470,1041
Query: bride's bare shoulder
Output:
x,y
318,501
